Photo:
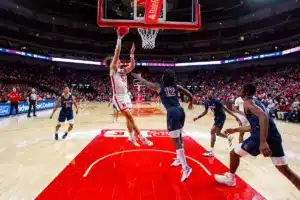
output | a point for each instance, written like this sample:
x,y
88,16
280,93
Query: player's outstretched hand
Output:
x,y
229,131
122,31
195,119
51,116
77,112
132,49
265,149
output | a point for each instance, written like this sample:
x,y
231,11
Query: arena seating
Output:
x,y
278,86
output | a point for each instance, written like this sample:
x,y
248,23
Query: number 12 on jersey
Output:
x,y
170,91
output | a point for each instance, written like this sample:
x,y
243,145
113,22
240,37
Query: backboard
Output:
x,y
174,14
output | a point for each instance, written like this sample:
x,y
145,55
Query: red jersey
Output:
x,y
14,97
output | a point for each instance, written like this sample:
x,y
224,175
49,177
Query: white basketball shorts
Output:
x,y
122,102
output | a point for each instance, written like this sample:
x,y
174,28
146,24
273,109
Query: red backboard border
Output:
x,y
161,25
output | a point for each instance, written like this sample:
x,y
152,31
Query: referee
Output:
x,y
31,100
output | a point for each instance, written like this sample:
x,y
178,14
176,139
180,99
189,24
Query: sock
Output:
x,y
212,149
231,175
181,157
141,136
131,136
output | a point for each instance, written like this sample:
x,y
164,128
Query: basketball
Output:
x,y
122,31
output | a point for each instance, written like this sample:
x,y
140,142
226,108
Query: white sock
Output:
x,y
131,136
181,157
141,136
231,175
212,150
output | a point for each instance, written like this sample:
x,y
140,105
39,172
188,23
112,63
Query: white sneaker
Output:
x,y
176,162
209,154
186,173
226,179
146,141
133,141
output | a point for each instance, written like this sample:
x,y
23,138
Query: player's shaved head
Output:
x,y
168,77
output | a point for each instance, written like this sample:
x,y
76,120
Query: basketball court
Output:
x,y
97,162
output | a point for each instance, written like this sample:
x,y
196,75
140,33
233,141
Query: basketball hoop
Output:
x,y
148,37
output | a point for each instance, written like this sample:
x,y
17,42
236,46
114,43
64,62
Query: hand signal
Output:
x,y
132,49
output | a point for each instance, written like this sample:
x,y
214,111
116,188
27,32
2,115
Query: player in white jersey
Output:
x,y
238,107
121,98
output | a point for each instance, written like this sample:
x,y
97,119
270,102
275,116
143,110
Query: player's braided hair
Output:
x,y
168,77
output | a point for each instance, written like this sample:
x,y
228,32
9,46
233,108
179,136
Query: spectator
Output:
x,y
14,101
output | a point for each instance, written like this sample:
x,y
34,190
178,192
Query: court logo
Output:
x,y
146,133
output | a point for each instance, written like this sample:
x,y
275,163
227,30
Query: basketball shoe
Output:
x,y
226,179
132,140
209,154
186,172
176,162
145,141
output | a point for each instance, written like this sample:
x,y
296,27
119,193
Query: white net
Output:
x,y
148,37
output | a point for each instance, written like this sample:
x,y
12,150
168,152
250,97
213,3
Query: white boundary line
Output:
x,y
140,150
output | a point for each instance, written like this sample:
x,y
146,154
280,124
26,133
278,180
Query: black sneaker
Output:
x,y
56,136
34,115
28,116
65,135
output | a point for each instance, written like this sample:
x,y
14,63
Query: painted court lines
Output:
x,y
109,168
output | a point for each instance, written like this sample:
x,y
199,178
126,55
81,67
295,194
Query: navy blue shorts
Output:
x,y
251,145
219,121
175,118
63,116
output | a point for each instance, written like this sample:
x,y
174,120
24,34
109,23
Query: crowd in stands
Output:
x,y
278,86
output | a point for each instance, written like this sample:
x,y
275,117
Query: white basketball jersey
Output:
x,y
239,102
119,82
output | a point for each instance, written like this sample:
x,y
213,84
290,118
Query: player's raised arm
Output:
x,y
55,107
204,112
148,84
188,94
115,59
122,31
132,60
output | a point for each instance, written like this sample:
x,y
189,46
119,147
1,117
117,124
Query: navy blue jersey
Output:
x,y
273,132
216,107
67,103
169,96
